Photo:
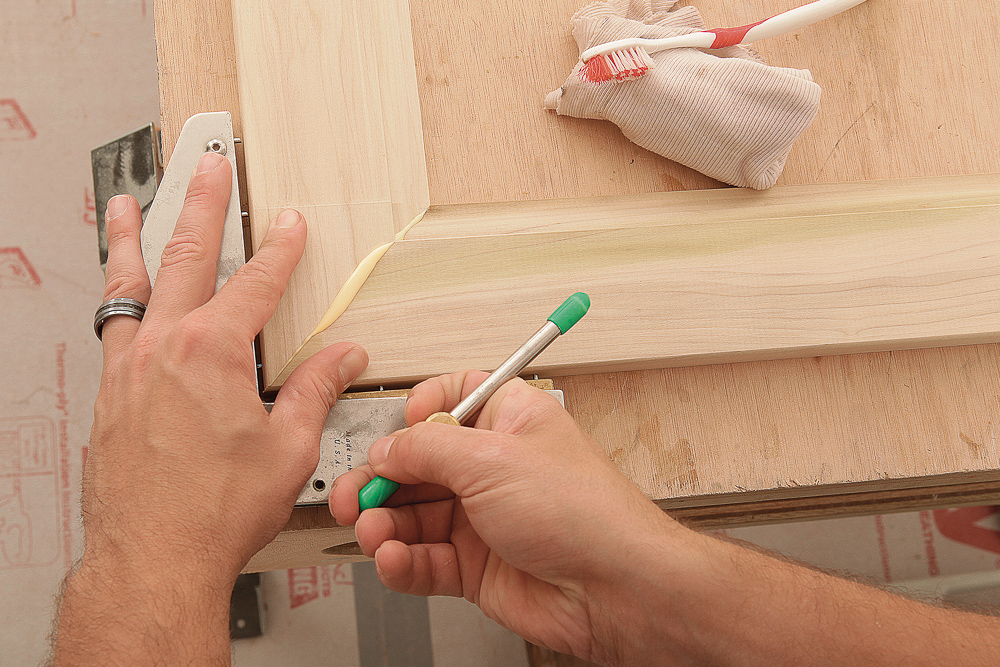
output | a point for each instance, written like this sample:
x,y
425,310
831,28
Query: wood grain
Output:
x,y
482,68
747,282
331,127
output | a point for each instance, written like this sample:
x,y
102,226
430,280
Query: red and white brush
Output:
x,y
629,58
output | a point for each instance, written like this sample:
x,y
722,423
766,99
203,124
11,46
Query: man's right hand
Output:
x,y
527,517
523,515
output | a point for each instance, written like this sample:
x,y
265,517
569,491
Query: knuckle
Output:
x,y
257,273
195,328
143,350
321,387
200,195
127,282
120,230
194,338
183,249
257,280
530,407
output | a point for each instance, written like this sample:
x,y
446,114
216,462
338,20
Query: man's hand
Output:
x,y
532,522
187,474
504,515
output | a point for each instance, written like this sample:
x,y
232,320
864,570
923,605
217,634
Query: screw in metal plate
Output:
x,y
216,146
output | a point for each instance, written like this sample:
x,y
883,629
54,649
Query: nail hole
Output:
x,y
216,146
319,484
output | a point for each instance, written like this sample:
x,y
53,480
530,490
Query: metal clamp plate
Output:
x,y
351,427
201,133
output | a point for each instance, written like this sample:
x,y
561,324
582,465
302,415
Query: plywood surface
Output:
x,y
906,92
797,434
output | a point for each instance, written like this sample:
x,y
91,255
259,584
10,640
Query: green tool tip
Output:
x,y
376,492
570,312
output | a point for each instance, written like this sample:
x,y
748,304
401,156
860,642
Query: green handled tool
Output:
x,y
559,322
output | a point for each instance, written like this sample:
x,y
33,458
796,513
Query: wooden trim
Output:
x,y
747,276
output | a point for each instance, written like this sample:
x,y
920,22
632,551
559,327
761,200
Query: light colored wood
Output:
x,y
877,408
825,426
668,290
906,87
331,127
195,63
700,206
907,92
482,70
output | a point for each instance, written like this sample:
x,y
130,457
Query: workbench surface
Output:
x,y
906,93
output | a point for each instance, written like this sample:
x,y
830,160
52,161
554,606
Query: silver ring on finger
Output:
x,y
119,306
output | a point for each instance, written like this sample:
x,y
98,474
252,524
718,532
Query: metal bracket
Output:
x,y
351,427
246,608
201,133
131,164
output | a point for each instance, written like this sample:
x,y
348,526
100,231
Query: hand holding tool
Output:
x,y
377,491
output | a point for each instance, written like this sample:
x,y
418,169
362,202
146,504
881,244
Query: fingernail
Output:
x,y
351,366
116,206
209,161
379,451
287,219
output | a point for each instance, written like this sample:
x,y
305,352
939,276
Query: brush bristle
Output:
x,y
617,65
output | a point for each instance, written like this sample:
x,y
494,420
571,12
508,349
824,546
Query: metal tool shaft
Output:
x,y
514,364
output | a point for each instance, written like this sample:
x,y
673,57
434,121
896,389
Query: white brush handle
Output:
x,y
780,24
797,18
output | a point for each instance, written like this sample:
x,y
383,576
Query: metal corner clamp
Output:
x,y
354,423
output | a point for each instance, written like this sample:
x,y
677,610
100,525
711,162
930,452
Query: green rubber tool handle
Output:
x,y
570,312
564,317
376,492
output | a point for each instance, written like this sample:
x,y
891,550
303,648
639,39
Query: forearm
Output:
x,y
110,616
705,601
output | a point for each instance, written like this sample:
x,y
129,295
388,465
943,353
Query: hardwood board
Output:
x,y
669,290
697,206
907,89
331,127
195,63
795,427
484,68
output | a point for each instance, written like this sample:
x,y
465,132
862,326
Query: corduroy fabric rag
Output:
x,y
721,112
